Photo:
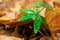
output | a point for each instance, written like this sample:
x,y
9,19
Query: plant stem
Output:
x,y
45,31
49,30
41,9
44,35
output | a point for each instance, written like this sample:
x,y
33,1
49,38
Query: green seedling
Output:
x,y
38,18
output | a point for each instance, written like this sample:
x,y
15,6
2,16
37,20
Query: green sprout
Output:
x,y
38,18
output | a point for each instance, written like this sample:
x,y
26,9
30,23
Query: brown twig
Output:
x,y
15,23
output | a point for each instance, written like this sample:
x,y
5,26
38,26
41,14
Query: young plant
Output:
x,y
38,18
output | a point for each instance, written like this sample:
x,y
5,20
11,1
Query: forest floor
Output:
x,y
5,35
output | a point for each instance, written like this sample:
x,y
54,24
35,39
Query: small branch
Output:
x,y
15,23
45,31
44,35
41,9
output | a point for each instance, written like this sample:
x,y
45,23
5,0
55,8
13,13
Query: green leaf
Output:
x,y
26,17
44,21
37,11
49,6
28,10
36,4
37,24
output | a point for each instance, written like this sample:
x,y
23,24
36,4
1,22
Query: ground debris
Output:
x,y
4,37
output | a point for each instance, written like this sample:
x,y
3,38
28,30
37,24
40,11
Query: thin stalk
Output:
x,y
41,9
45,32
49,30
44,35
